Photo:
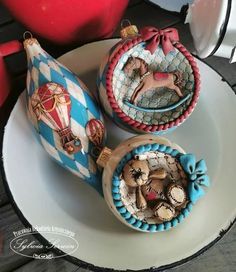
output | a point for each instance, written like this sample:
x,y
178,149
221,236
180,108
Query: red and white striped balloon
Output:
x,y
95,131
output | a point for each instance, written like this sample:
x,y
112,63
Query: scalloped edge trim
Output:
x,y
116,197
141,126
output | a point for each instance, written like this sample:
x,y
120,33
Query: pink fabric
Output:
x,y
155,36
160,75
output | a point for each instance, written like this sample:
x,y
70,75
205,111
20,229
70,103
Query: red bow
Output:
x,y
154,37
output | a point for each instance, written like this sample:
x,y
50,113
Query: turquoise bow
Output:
x,y
196,173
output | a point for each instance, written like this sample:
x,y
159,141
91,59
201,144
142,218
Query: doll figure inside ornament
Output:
x,y
155,190
151,79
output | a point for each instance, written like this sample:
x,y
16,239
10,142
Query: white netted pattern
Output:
x,y
123,86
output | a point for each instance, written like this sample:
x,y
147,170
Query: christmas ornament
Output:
x,y
95,131
61,110
149,82
150,184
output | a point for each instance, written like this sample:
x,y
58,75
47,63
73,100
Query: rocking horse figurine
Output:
x,y
151,80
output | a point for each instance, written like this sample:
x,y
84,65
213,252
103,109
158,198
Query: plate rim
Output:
x,y
78,261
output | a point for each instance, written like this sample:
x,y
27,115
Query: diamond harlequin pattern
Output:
x,y
42,68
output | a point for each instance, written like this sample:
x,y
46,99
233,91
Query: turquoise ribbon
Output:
x,y
196,173
162,109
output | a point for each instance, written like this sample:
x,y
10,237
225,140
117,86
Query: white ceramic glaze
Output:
x,y
228,44
48,195
207,20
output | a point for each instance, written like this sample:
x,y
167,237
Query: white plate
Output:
x,y
45,194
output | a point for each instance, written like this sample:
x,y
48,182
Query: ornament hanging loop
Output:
x,y
28,39
27,35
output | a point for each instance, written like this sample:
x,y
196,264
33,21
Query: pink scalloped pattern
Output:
x,y
133,123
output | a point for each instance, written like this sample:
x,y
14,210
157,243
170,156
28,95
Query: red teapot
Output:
x,y
68,21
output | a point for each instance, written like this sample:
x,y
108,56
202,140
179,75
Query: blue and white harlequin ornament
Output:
x,y
64,114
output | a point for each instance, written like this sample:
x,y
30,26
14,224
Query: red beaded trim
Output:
x,y
125,118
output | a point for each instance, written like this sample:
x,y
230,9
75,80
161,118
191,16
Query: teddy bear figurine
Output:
x,y
136,175
154,189
149,184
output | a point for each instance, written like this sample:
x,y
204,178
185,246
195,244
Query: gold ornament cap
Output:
x,y
28,39
128,30
104,157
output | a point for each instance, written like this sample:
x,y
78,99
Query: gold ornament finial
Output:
x,y
104,157
128,30
28,39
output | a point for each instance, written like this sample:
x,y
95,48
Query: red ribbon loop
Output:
x,y
154,37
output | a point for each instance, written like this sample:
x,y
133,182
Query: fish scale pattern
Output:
x,y
123,86
43,68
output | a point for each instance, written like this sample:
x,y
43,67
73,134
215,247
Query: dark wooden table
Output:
x,y
221,257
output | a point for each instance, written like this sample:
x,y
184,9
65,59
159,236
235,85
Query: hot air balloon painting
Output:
x,y
95,131
60,106
51,103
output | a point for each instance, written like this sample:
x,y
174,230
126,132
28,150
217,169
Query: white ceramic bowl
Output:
x,y
46,194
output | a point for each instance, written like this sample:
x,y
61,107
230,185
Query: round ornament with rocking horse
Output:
x,y
149,82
